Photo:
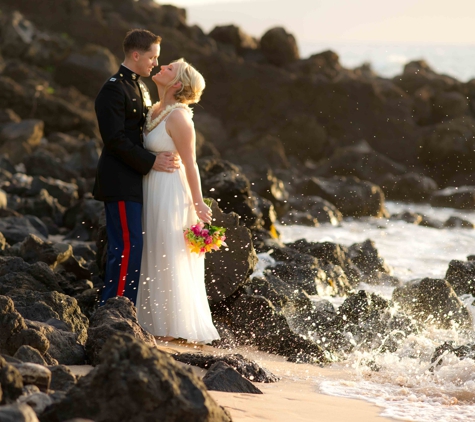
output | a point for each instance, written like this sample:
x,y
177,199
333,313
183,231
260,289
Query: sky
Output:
x,y
379,21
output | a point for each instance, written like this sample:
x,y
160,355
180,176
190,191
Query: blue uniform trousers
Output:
x,y
124,250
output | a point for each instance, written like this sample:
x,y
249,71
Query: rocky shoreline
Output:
x,y
280,140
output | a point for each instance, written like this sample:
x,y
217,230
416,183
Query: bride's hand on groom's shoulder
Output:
x,y
203,212
167,162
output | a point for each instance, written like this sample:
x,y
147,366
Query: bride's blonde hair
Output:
x,y
192,83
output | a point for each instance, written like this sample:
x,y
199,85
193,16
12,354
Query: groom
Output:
x,y
121,108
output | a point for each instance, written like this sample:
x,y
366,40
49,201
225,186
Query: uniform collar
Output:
x,y
125,72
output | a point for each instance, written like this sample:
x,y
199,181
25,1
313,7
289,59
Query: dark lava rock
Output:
x,y
34,249
16,274
457,222
249,369
43,307
62,379
117,316
279,46
301,218
461,276
14,332
409,187
462,197
229,268
322,210
138,383
28,354
433,301
256,321
467,351
34,374
366,257
18,413
11,383
222,377
408,217
353,197
16,229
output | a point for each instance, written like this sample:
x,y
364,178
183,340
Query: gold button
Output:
x,y
134,110
121,74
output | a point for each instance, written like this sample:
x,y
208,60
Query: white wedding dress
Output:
x,y
172,298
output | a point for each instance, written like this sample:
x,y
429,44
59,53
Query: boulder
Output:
x,y
462,197
366,320
248,369
117,316
87,69
353,197
366,257
28,354
65,193
42,205
270,187
302,136
212,129
448,148
34,249
16,229
319,208
19,412
360,161
407,216
38,401
34,374
11,384
433,301
326,63
84,219
457,222
301,218
64,347
418,73
256,321
234,36
29,132
7,115
62,379
461,276
229,268
17,35
43,163
18,276
449,105
408,187
265,153
225,183
222,377
50,306
279,47
299,270
140,383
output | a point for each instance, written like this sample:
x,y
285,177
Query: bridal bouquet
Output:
x,y
202,238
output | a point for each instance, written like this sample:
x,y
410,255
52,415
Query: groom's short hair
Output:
x,y
139,40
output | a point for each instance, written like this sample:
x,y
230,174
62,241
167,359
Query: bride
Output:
x,y
172,301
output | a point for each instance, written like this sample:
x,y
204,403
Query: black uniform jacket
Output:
x,y
121,108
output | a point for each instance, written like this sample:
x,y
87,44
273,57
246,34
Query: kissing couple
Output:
x,y
149,181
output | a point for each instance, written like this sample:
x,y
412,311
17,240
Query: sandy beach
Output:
x,y
296,397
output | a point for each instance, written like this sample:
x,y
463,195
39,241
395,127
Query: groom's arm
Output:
x,y
110,111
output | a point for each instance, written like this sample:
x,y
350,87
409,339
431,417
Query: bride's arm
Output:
x,y
180,127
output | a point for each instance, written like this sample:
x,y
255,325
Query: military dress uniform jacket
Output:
x,y
121,107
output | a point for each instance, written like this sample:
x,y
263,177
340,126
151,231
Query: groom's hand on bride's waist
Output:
x,y
167,162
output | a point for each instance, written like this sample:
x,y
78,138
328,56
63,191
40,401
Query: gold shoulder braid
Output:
x,y
152,124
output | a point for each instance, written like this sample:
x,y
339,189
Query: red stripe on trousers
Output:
x,y
124,263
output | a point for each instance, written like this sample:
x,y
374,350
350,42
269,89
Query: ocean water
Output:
x,y
404,387
388,60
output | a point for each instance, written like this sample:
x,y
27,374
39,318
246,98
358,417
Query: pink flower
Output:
x,y
208,240
196,230
204,232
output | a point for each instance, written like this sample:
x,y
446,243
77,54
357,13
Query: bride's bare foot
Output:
x,y
166,339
